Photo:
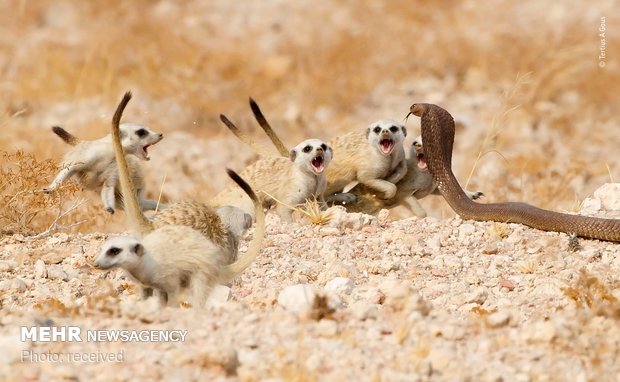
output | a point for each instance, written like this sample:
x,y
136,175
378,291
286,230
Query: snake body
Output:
x,y
438,137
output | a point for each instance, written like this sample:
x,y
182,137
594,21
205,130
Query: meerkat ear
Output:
x,y
292,155
404,131
139,249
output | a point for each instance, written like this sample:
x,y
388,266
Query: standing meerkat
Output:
x,y
92,163
283,182
171,258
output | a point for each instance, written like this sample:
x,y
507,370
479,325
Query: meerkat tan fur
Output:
x,y
224,226
283,182
92,163
172,258
416,184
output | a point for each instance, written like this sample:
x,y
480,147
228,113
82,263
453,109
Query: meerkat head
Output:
x,y
120,252
136,139
313,155
386,135
234,219
417,150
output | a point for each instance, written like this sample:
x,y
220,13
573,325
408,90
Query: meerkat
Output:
x,y
224,226
172,258
92,163
283,182
416,184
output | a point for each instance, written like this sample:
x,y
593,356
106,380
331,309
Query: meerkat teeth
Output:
x,y
318,164
386,145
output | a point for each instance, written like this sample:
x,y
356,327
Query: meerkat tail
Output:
x,y
65,135
133,211
259,232
262,151
262,121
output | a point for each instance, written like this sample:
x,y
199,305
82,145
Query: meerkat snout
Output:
x,y
417,151
120,251
138,138
387,135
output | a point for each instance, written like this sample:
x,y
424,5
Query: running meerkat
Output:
x,y
92,163
283,182
171,258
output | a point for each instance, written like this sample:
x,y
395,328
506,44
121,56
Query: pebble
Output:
x,y
466,230
219,296
13,284
490,249
498,319
478,296
609,195
53,258
342,285
298,299
57,272
7,266
40,271
327,328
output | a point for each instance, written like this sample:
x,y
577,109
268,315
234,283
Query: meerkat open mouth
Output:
x,y
318,164
145,152
386,145
421,161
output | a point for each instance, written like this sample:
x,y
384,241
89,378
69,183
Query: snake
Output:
x,y
438,136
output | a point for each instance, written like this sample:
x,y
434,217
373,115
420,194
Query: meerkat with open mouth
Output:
x,y
172,258
283,182
92,163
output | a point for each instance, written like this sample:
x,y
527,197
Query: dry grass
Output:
x,y
589,292
24,208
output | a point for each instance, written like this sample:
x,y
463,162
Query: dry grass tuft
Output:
x,y
590,292
24,208
312,209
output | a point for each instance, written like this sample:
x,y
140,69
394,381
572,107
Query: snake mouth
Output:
x,y
318,164
422,165
386,145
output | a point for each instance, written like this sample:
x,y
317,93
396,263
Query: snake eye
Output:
x,y
393,129
377,130
307,149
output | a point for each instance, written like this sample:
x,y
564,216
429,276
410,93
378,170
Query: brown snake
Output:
x,y
438,138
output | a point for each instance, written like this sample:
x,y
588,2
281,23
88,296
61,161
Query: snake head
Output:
x,y
417,109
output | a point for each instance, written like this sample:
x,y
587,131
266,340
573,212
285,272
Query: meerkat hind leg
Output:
x,y
108,197
413,205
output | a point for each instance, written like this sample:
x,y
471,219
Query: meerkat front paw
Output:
x,y
390,192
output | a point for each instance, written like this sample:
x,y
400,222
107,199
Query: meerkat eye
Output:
x,y
324,147
141,132
113,251
307,149
393,129
377,130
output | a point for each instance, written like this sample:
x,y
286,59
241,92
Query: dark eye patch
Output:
x,y
324,147
141,132
393,129
377,129
307,149
113,251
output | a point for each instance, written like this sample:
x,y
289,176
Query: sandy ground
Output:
x,y
360,298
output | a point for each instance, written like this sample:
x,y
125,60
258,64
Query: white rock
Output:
x,y
478,296
342,285
609,195
40,270
219,296
466,230
297,299
56,272
590,206
498,319
363,311
7,266
13,284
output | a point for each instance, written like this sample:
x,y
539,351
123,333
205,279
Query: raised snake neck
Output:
x,y
438,138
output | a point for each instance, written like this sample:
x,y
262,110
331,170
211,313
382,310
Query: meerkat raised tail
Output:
x,y
92,163
171,258
283,182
